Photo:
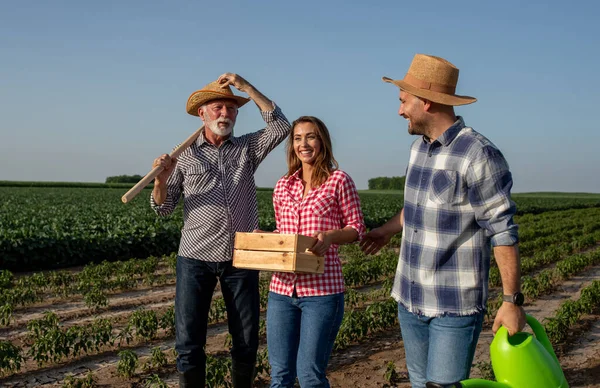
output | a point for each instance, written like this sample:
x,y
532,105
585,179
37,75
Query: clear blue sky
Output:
x,y
90,89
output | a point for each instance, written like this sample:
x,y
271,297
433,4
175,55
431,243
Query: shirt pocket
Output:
x,y
197,176
324,205
445,187
237,170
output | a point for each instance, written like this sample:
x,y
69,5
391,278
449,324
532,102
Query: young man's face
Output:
x,y
411,108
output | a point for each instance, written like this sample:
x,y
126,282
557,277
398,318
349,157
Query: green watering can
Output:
x,y
522,361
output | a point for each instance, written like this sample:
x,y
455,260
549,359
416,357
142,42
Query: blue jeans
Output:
x,y
438,350
300,336
196,281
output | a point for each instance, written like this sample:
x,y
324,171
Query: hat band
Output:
x,y
434,87
228,95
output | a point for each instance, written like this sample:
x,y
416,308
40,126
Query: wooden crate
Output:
x,y
276,252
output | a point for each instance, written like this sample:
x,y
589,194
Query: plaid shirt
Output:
x,y
217,184
456,201
333,205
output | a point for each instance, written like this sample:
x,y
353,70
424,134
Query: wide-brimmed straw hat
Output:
x,y
434,79
212,91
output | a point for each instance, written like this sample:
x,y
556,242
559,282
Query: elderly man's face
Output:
x,y
219,116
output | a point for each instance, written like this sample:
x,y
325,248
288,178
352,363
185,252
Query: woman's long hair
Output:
x,y
324,163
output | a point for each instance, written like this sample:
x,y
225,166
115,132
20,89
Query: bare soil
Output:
x,y
360,365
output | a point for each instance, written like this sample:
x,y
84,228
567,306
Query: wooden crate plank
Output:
x,y
278,261
309,263
273,242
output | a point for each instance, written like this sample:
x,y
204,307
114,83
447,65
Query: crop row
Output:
x,y
93,283
569,313
551,254
43,228
542,283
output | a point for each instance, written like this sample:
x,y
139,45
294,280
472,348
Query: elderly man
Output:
x,y
456,204
216,177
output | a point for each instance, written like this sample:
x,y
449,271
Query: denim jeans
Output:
x,y
300,336
440,349
196,281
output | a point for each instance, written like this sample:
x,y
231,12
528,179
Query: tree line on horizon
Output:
x,y
387,183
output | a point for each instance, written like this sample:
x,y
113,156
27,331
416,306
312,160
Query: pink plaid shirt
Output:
x,y
333,205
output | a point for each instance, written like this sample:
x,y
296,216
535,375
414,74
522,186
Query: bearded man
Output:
x,y
215,175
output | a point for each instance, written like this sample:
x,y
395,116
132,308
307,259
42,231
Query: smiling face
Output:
x,y
412,109
307,144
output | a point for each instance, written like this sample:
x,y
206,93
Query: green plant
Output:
x,y
89,381
6,278
145,323
10,358
154,381
5,314
128,362
157,359
390,375
167,321
217,372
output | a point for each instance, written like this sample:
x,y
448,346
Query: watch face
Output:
x,y
519,298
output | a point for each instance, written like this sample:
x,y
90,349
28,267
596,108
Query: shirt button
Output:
x,y
412,282
416,231
418,205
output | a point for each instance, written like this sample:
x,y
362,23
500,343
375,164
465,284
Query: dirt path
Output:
x,y
360,365
364,365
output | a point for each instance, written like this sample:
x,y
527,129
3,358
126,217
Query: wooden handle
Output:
x,y
135,190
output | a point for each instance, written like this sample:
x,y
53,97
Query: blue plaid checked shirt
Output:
x,y
456,204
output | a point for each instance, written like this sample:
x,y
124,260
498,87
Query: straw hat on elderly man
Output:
x,y
212,91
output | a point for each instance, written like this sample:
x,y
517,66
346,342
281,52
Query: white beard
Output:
x,y
214,126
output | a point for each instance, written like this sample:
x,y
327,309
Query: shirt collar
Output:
x,y
202,139
295,175
450,134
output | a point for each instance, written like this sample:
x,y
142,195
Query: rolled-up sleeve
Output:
x,y
264,141
174,189
350,206
489,183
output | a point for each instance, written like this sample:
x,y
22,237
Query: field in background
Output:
x,y
106,318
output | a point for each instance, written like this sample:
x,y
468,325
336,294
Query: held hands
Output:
x,y
374,241
323,243
510,316
236,80
167,163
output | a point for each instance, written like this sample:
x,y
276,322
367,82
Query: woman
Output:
x,y
305,311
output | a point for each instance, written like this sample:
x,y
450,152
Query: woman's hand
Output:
x,y
323,243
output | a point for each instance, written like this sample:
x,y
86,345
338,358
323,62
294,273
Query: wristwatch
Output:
x,y
517,298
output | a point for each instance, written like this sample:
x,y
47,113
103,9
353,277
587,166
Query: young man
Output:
x,y
456,204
